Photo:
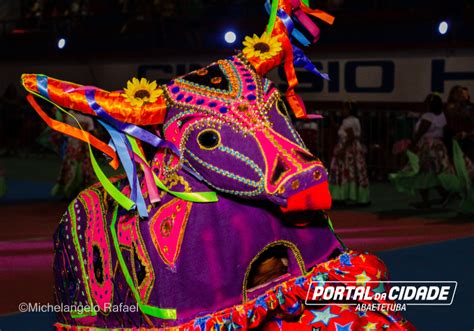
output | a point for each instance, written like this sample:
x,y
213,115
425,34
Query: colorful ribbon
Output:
x,y
293,55
80,134
121,147
301,61
130,129
273,15
188,196
306,22
323,16
295,33
42,83
72,131
163,313
149,180
124,150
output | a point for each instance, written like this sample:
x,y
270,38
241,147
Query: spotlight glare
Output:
x,y
230,37
61,43
443,27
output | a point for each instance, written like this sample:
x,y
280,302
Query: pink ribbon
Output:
x,y
304,19
149,180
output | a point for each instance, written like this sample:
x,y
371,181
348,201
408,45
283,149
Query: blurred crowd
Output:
x,y
441,152
419,152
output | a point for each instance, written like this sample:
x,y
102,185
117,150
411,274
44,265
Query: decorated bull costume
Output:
x,y
181,237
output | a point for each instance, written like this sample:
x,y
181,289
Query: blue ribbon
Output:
x,y
301,37
42,83
134,130
286,20
301,61
131,129
295,33
124,150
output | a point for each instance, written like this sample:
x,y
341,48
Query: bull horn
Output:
x,y
89,100
275,45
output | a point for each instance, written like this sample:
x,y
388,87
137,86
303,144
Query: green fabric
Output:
x,y
460,166
114,192
465,185
350,192
411,180
163,313
273,15
187,196
331,227
466,206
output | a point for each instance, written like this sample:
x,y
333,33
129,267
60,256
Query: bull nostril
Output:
x,y
317,175
295,184
280,170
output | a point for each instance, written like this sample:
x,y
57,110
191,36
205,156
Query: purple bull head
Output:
x,y
238,136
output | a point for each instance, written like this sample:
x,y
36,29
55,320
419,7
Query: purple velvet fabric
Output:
x,y
220,241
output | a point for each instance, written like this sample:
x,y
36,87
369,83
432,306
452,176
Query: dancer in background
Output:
x,y
348,180
460,120
429,165
459,139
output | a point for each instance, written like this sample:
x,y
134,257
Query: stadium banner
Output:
x,y
407,79
381,78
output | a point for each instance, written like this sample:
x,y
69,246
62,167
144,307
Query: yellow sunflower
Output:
x,y
139,92
264,47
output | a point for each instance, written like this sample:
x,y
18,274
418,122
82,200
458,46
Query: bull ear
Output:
x,y
275,46
88,100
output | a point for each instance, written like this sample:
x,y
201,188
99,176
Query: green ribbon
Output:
x,y
335,234
460,166
272,19
122,199
187,196
273,15
114,192
163,313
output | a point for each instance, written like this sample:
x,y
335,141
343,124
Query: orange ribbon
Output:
x,y
318,13
294,101
75,132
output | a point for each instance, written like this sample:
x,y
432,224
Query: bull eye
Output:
x,y
209,139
